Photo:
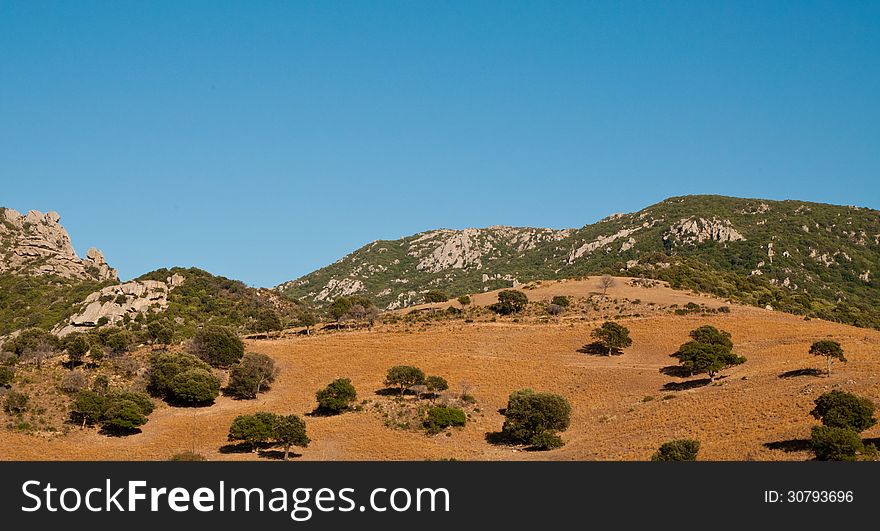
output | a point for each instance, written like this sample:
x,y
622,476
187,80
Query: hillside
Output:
x,y
623,406
806,258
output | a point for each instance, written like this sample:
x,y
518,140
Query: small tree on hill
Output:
x,y
534,418
708,352
436,296
218,345
612,336
835,444
336,397
677,450
252,375
436,383
290,431
7,374
831,350
561,300
196,387
839,409
605,282
308,319
16,403
77,347
464,300
338,308
510,302
268,321
404,376
160,333
123,416
253,430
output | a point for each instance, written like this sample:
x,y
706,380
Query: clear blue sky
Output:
x,y
262,140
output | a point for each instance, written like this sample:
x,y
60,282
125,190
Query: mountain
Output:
x,y
808,258
41,276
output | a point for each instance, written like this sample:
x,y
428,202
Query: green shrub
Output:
x,y
441,417
510,302
835,444
337,396
122,416
464,300
77,347
16,403
404,376
194,387
708,352
838,409
164,366
529,415
436,383
217,345
547,441
677,450
253,430
436,296
251,376
612,336
561,300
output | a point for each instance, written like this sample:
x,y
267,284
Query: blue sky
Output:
x,y
262,140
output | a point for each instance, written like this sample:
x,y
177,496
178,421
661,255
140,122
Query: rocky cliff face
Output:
x,y
36,244
112,304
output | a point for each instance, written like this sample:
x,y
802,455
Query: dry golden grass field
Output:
x,y
623,407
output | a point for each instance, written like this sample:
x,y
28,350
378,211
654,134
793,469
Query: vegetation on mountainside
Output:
x,y
40,301
805,258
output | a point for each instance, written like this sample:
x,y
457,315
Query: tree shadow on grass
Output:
x,y
597,349
323,412
790,445
498,438
118,432
684,386
801,372
277,455
242,448
393,391
676,370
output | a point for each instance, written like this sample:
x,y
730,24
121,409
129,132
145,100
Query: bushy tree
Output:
x,y
612,336
77,348
831,350
530,415
338,308
835,444
404,376
160,332
441,417
252,375
16,403
253,430
122,416
267,321
120,413
708,352
436,296
119,342
194,387
217,345
166,365
464,300
336,397
561,300
510,302
101,385
677,450
88,407
839,409
290,431
308,319
31,340
436,383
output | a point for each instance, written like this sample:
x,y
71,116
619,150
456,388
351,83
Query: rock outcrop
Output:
x,y
691,231
113,303
36,244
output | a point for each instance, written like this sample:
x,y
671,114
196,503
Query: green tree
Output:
x,y
164,366
839,409
122,416
308,319
612,336
252,375
708,352
338,308
194,387
336,397
101,384
77,347
677,450
88,407
119,342
290,431
160,332
404,376
268,321
436,296
217,345
16,403
835,444
253,430
530,415
436,383
31,340
464,300
561,300
831,350
510,302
